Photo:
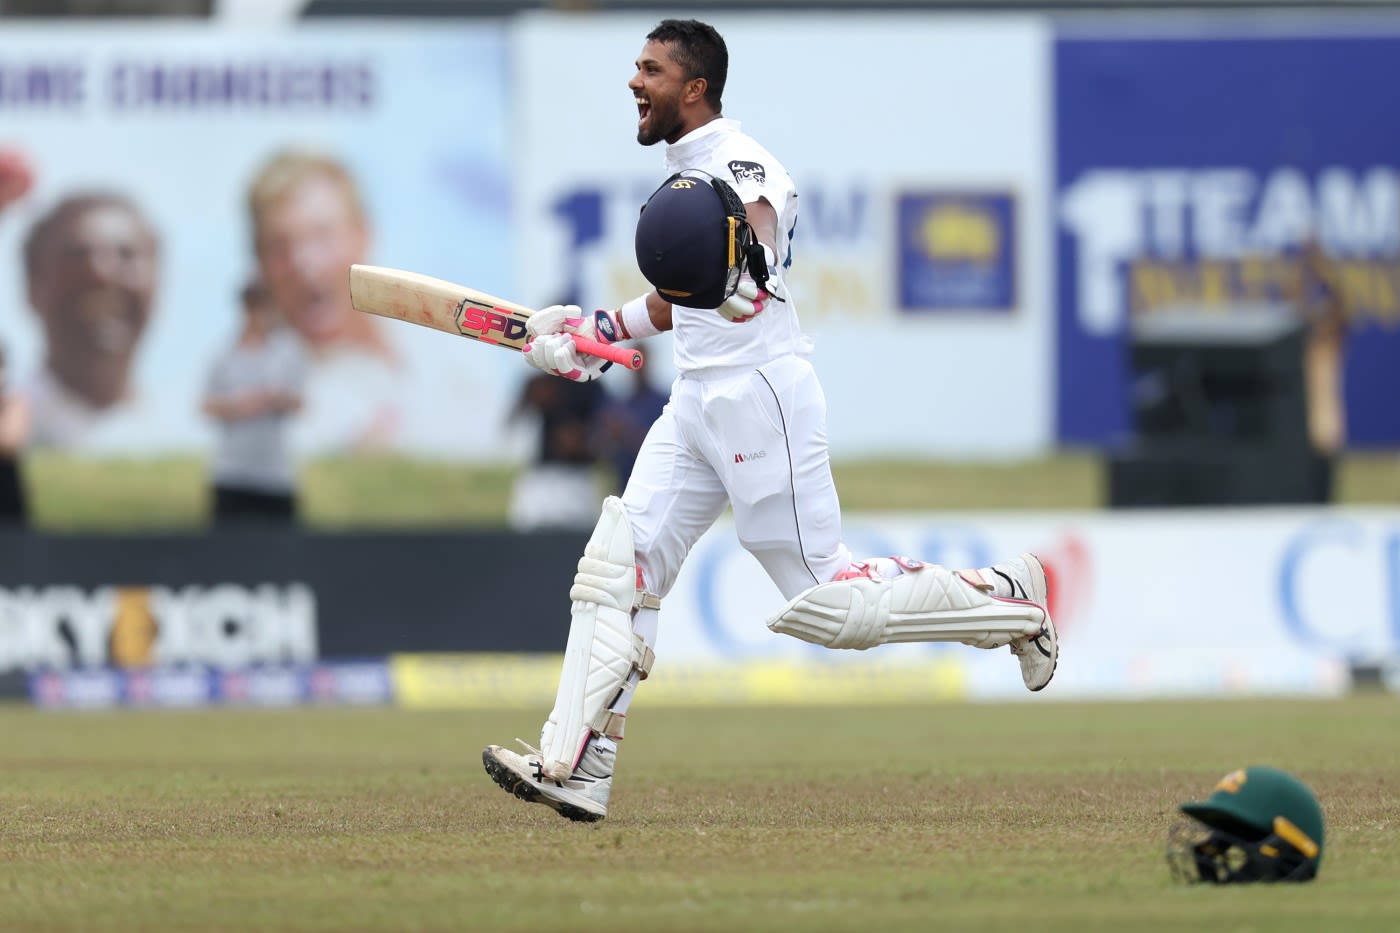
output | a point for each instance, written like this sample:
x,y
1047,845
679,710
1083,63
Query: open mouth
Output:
x,y
643,110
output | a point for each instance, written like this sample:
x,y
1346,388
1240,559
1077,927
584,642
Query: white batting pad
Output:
x,y
928,603
602,649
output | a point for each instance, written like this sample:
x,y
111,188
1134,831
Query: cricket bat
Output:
x,y
457,309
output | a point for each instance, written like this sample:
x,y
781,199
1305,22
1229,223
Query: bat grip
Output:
x,y
622,356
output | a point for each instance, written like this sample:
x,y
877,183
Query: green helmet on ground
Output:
x,y
1260,824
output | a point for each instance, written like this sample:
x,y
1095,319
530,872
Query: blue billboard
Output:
x,y
1191,167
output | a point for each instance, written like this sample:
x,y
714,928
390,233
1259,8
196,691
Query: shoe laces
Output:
x,y
535,758
1022,646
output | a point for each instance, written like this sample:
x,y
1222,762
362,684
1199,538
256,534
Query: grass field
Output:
x,y
376,492
1028,816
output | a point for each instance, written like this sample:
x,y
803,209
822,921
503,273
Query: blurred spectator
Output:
x,y
560,489
309,227
255,388
625,419
91,266
14,431
16,178
1323,305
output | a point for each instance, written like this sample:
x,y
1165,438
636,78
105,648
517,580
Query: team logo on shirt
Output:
x,y
747,171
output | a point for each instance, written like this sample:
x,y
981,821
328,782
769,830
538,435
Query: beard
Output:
x,y
662,123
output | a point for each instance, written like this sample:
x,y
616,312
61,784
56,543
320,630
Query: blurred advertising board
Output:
x,y
354,683
149,143
229,600
518,681
919,268
1193,162
1148,604
1159,603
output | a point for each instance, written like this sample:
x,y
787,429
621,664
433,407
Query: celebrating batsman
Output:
x,y
745,427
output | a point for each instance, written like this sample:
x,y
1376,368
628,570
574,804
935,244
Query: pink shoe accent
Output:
x,y
854,572
867,569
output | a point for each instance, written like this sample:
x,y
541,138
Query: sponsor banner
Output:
x,y
330,683
222,624
957,251
183,123
530,681
240,598
1199,188
1162,603
1187,602
916,241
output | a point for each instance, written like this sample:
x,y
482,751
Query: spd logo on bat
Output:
x,y
474,320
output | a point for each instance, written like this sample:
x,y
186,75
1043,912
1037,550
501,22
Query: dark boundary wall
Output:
x,y
374,593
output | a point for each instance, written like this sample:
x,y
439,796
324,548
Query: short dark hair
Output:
x,y
698,49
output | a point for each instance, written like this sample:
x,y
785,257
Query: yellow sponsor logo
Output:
x,y
134,629
518,681
682,183
957,231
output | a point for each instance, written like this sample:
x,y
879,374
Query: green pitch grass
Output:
x,y
1030,816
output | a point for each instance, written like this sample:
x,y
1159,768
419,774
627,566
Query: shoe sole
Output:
x,y
513,783
1043,600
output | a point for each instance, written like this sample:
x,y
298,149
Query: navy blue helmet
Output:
x,y
694,241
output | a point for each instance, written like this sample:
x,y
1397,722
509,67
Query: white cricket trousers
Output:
x,y
753,439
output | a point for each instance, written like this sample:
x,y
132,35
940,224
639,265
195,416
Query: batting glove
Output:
x,y
750,298
549,347
746,303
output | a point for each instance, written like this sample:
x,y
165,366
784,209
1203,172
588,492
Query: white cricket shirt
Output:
x,y
703,339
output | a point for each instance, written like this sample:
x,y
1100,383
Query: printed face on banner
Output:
x,y
172,169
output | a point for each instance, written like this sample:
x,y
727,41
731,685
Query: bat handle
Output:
x,y
622,356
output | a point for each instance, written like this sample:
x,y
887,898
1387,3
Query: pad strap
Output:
x,y
926,603
603,653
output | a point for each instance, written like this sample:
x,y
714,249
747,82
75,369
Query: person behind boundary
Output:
x,y
16,180
559,489
254,391
14,433
309,226
744,428
91,265
1326,313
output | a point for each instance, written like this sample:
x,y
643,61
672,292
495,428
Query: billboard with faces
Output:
x,y
156,149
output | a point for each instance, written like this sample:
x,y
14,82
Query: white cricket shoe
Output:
x,y
1038,653
582,798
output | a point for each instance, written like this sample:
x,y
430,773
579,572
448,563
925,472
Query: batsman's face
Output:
x,y
94,291
305,243
658,88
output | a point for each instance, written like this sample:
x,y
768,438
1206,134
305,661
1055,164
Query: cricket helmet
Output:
x,y
694,241
1260,824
